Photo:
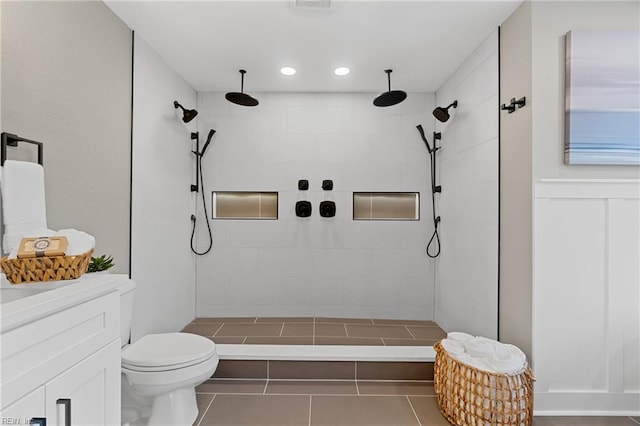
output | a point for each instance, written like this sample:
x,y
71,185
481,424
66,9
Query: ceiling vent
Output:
x,y
313,4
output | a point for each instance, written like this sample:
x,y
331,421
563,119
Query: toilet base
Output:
x,y
174,408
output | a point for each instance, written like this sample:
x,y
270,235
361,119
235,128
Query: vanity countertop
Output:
x,y
22,303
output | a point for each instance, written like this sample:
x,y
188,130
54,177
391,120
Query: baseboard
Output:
x,y
587,404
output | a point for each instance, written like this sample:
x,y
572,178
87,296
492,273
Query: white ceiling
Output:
x,y
207,42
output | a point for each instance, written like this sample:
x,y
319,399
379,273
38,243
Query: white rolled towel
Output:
x,y
504,363
79,242
459,336
480,348
474,362
452,347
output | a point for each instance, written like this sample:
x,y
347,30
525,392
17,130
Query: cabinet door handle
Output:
x,y
67,410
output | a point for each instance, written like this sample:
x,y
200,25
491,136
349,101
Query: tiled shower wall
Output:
x,y
467,269
316,266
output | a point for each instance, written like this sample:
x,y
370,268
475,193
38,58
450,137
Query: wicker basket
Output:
x,y
471,397
36,269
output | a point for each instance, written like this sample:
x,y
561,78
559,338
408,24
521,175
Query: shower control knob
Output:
x,y
303,209
303,184
327,209
327,185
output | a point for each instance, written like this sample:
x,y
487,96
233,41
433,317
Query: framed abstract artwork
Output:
x,y
602,97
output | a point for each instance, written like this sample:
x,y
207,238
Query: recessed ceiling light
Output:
x,y
341,71
288,70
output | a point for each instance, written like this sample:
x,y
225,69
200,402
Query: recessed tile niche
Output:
x,y
386,206
245,205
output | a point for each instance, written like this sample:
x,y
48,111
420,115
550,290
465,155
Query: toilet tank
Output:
x,y
127,292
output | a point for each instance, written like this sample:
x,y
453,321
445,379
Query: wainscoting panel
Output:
x,y
586,297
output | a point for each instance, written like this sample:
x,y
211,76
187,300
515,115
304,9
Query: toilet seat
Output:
x,y
167,351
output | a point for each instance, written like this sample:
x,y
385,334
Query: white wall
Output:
x,y
586,297
586,247
316,266
516,176
467,269
67,84
552,20
162,264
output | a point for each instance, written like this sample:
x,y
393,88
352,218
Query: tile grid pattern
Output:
x,y
317,331
338,402
321,394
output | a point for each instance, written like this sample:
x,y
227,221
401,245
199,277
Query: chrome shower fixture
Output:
x,y
442,114
187,114
391,97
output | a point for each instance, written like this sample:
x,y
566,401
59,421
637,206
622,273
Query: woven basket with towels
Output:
x,y
469,395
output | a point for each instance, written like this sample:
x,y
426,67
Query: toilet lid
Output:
x,y
170,350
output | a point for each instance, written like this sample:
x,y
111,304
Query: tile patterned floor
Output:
x,y
337,403
317,331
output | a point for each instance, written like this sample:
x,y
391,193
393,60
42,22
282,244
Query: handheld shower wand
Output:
x,y
199,154
206,144
435,237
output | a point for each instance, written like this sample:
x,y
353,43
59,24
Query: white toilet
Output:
x,y
160,372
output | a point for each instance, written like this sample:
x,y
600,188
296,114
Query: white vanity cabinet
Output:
x,y
61,353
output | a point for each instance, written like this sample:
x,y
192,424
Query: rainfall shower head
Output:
x,y
187,114
391,97
206,144
442,114
241,98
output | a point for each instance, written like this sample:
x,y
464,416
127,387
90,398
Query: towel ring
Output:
x,y
9,139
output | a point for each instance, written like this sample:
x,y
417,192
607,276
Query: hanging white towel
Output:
x,y
23,201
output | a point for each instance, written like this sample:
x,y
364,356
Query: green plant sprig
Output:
x,y
100,263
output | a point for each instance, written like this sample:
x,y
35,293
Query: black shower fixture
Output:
x,y
303,208
392,97
442,114
303,184
187,114
206,144
241,98
327,209
327,184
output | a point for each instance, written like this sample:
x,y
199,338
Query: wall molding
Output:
x,y
585,296
587,188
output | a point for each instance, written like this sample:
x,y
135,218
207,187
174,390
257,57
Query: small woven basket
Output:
x,y
471,397
45,268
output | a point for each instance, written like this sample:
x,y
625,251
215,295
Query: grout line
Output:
x,y
357,388
355,371
413,409
319,380
316,394
255,320
281,329
410,333
634,420
310,402
244,340
266,383
218,329
313,341
206,409
345,330
268,364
